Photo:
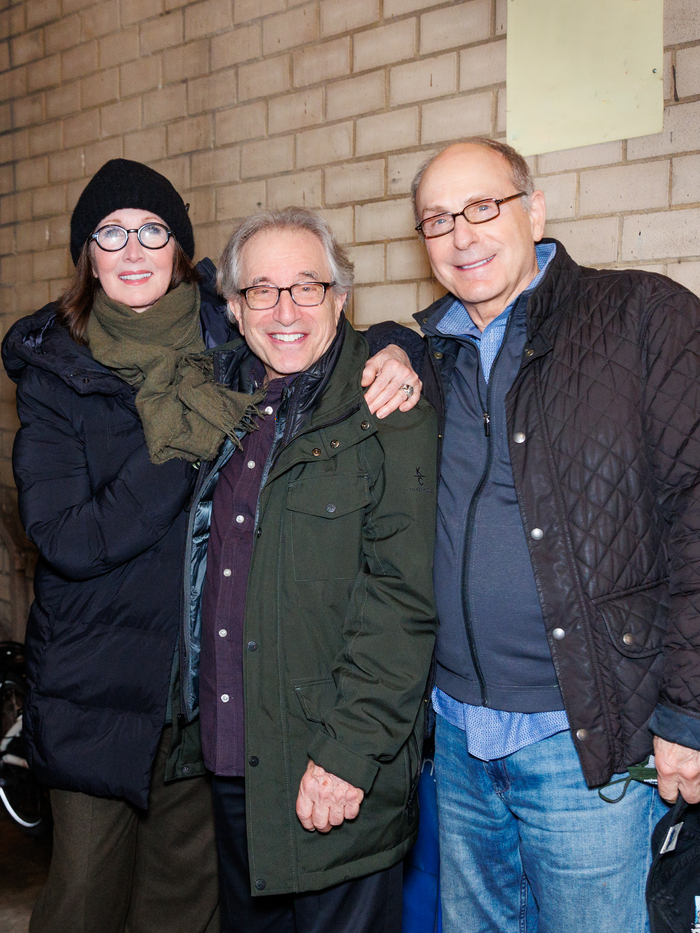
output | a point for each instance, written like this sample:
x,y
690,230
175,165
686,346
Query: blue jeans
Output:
x,y
525,846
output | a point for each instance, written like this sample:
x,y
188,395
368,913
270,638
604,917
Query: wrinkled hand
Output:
x,y
678,768
385,373
325,801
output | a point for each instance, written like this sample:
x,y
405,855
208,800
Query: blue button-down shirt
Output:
x,y
493,733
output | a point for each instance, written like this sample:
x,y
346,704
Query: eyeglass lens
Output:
x,y
113,237
475,213
305,294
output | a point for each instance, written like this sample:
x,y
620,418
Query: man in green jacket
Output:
x,y
317,615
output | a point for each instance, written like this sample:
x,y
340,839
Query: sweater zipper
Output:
x,y
472,512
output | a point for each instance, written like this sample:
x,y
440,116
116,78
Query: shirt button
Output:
x,y
252,646
223,633
225,697
260,884
253,761
558,633
258,532
268,410
519,437
251,464
240,519
227,572
537,534
437,355
330,508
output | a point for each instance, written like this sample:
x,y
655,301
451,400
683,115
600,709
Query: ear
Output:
x,y
538,215
235,306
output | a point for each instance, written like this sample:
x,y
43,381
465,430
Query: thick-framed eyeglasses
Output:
x,y
478,212
304,294
112,237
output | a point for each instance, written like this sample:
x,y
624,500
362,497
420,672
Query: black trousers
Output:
x,y
367,905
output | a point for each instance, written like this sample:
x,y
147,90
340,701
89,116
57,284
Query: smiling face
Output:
x,y
484,265
287,338
135,276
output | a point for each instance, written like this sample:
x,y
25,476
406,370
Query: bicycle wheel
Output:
x,y
25,800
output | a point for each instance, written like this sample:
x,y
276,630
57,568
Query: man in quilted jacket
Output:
x,y
567,565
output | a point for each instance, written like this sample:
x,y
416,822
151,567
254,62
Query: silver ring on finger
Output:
x,y
408,390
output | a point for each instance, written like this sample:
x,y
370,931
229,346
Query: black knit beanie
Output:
x,y
122,184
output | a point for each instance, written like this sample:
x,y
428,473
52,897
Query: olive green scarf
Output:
x,y
160,352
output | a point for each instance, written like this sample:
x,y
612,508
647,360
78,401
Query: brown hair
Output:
x,y
75,304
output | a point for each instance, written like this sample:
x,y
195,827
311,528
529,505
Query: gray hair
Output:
x,y
520,174
228,278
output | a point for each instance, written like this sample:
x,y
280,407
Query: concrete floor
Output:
x,y
24,864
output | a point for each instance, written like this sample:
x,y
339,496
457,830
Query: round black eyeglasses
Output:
x,y
112,237
478,212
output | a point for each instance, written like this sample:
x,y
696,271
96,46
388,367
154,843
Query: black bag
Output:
x,y
673,886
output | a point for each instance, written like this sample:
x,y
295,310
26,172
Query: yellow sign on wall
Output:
x,y
583,71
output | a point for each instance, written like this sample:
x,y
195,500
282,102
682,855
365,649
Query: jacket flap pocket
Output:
x,y
316,697
637,621
329,496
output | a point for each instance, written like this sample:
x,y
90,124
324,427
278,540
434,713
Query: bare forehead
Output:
x,y
283,249
462,174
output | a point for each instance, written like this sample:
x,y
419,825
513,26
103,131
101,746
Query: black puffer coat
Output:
x,y
110,530
608,400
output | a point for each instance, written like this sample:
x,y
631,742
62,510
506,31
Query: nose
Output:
x,y
133,251
285,311
465,234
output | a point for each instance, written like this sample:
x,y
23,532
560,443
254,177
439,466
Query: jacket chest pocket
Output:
x,y
327,514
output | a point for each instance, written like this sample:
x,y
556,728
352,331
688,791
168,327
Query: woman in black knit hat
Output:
x,y
117,404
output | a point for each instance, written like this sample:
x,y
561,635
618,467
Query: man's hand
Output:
x,y
325,801
385,374
678,768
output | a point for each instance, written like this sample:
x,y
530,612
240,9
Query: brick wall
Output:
x,y
331,104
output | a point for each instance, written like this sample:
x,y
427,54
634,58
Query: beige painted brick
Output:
x,y
124,115
48,201
303,189
560,195
62,34
386,131
681,133
140,75
201,202
501,17
240,123
661,235
430,77
407,259
384,220
239,200
202,19
210,240
681,21
145,145
354,96
263,79
244,10
216,166
44,73
96,154
237,45
99,20
6,147
27,47
322,62
668,76
392,43
212,91
100,88
624,188
324,145
590,242
80,61
63,100
482,65
17,269
402,168
122,46
17,19
401,7
7,241
33,236
688,71
176,170
42,11
342,222
355,181
65,165
45,138
267,157
13,83
501,112
190,134
162,33
136,11
70,6
5,114
28,110
165,104
4,56
295,27
456,25
583,157
186,61
174,4
51,264
428,292
294,111
7,179
29,298
346,15
368,262
685,273
469,115
375,303
685,179
59,230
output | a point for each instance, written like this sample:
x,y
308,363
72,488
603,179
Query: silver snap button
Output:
x,y
558,633
251,464
365,425
223,633
330,507
628,638
268,410
227,572
537,534
240,519
316,451
519,437
225,697
582,734
335,444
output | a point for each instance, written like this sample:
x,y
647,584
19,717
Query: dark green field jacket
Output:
x,y
340,621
